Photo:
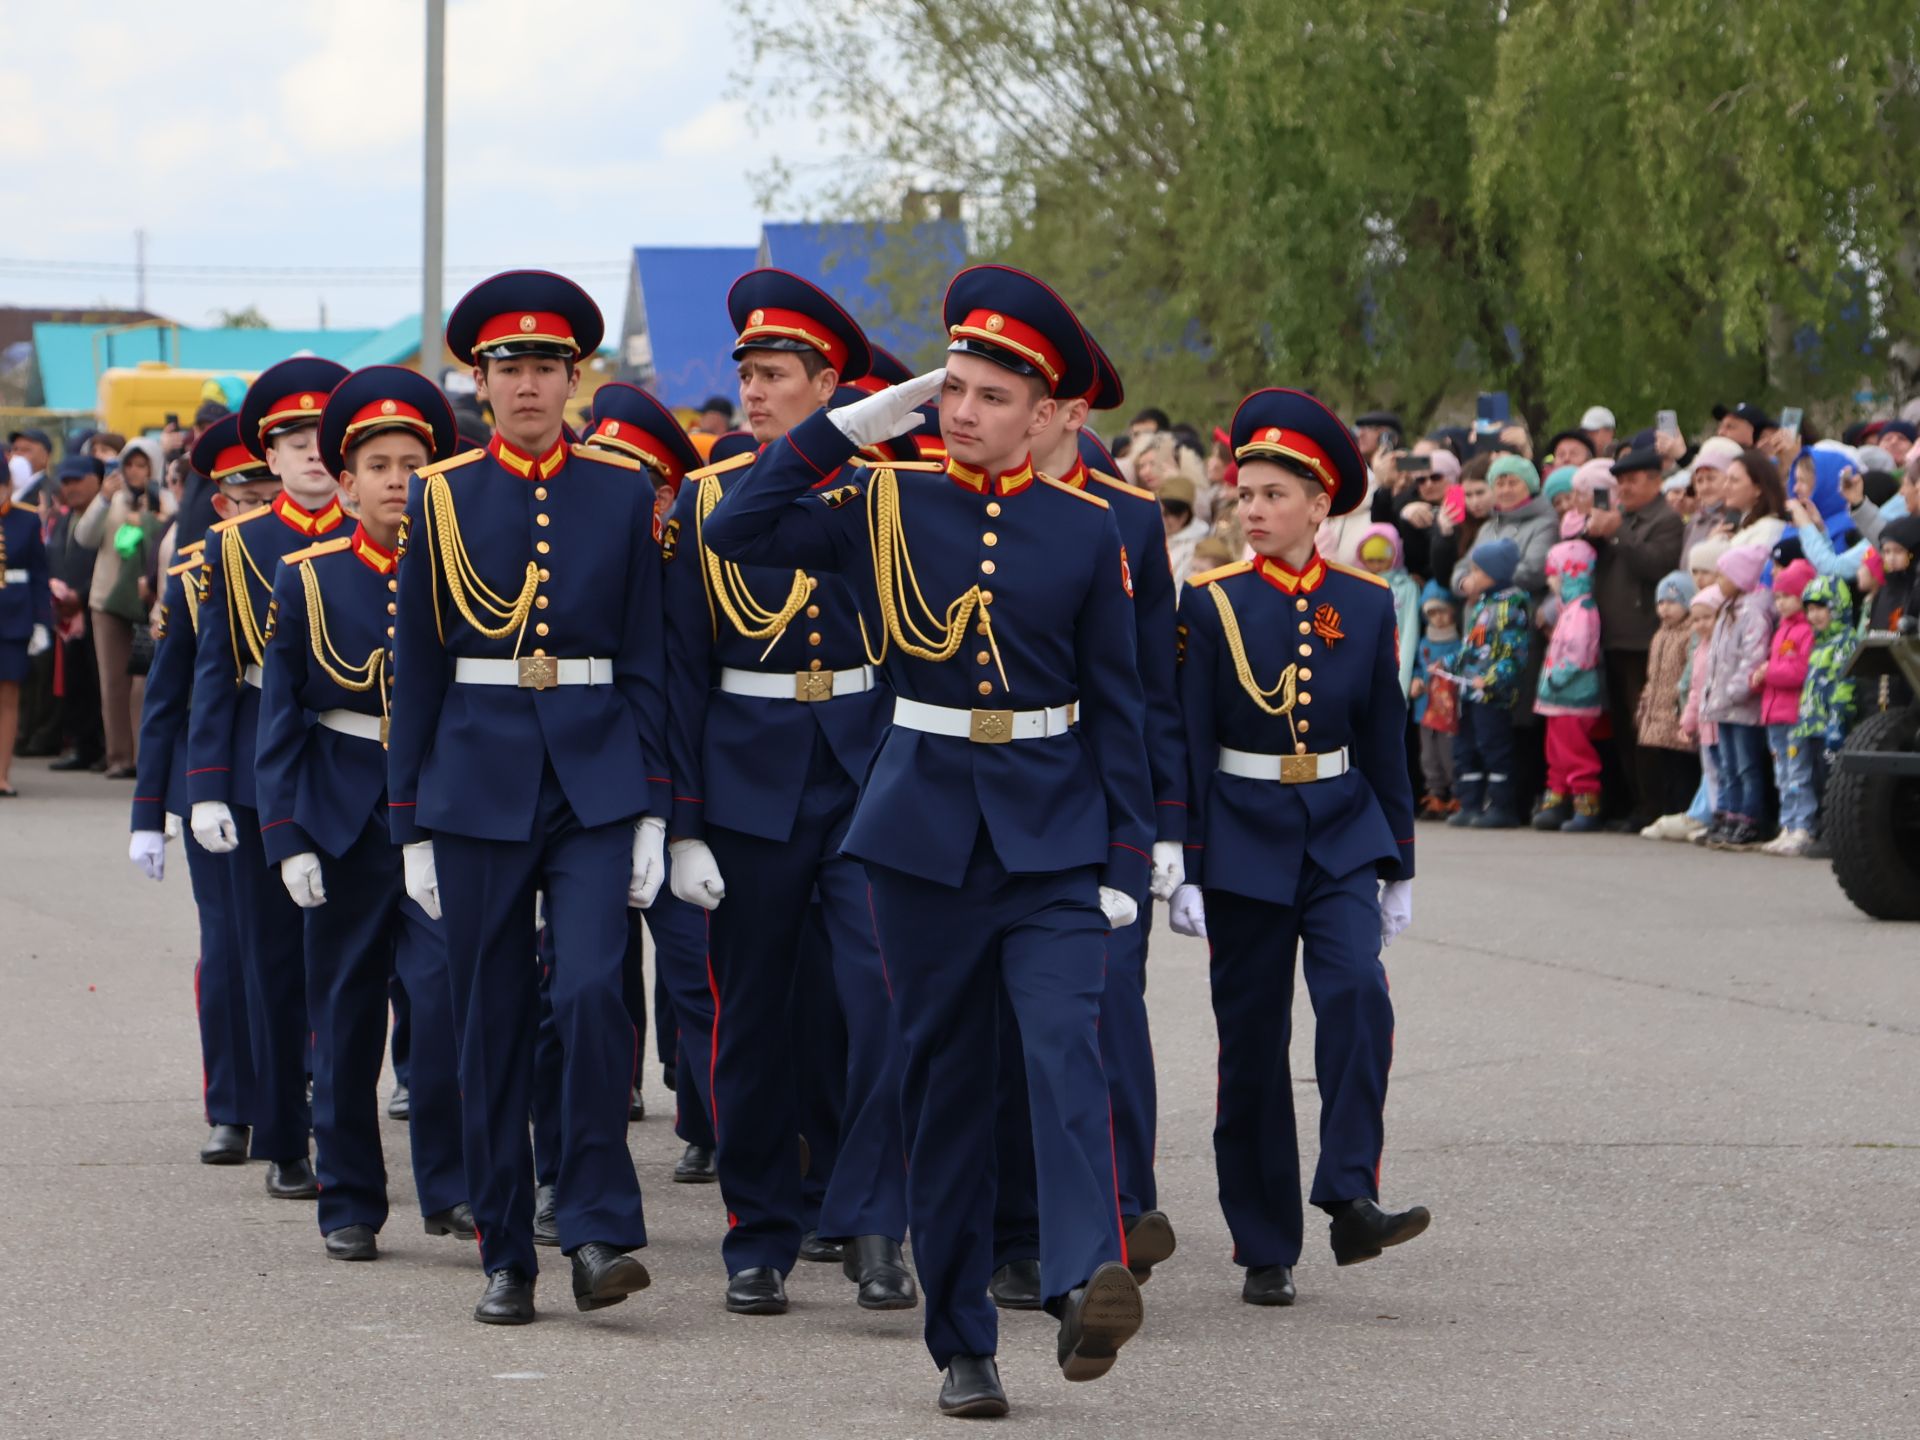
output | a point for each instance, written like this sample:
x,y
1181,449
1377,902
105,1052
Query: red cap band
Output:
x,y
639,443
1010,334
231,460
382,413
1273,440
292,409
527,325
768,323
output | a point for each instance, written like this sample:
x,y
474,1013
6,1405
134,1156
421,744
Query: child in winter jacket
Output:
x,y
1827,699
1436,698
1569,694
1781,679
1493,659
1694,727
1381,554
1741,638
1663,698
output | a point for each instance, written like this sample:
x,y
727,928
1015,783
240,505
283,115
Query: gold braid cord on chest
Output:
x,y
248,635
909,620
358,678
727,590
447,553
1277,699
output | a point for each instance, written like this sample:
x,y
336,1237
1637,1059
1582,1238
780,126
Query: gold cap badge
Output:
x,y
1273,433
526,324
996,324
387,407
306,402
756,317
613,427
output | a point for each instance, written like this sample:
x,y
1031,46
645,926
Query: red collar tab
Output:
x,y
868,384
630,439
308,522
1076,475
771,323
384,415
1274,441
525,326
1290,582
523,464
995,328
300,408
1009,482
372,553
234,459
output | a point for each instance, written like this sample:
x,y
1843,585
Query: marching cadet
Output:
x,y
526,754
277,428
160,805
1300,835
1067,452
26,612
776,714
321,784
1001,840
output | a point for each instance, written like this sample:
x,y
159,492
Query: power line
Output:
x,y
22,268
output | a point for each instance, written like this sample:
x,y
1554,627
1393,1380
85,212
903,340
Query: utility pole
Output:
x,y
432,337
140,269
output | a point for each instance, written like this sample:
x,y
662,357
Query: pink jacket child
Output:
x,y
1785,673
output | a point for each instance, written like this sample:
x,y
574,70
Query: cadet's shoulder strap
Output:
x,y
1358,573
1207,577
324,547
452,462
1066,489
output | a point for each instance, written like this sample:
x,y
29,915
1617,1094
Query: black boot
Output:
x,y
455,1220
760,1290
226,1145
292,1180
875,1264
546,1216
1150,1242
1097,1319
604,1276
1016,1286
352,1242
1501,812
636,1106
1269,1285
508,1299
695,1167
972,1390
1361,1229
1472,795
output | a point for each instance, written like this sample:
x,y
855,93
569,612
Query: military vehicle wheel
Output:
x,y
1872,817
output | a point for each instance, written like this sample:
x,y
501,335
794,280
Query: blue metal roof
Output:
x,y
891,278
682,293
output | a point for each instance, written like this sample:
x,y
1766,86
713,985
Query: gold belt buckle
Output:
x,y
991,727
811,685
539,672
1299,769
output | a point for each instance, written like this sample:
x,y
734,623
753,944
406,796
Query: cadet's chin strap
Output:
x,y
893,576
447,551
1243,668
727,587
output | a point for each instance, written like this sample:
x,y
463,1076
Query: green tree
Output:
x,y
248,319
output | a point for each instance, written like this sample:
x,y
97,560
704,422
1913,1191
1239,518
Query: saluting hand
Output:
x,y
890,413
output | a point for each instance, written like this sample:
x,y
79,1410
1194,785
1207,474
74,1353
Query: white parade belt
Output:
x,y
807,685
532,672
352,722
983,727
1287,769
252,676
14,577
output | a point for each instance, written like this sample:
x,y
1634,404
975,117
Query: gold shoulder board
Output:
x,y
1356,572
1239,567
1114,482
721,467
323,547
1066,489
220,527
452,462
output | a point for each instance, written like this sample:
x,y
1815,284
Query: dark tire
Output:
x,y
1873,823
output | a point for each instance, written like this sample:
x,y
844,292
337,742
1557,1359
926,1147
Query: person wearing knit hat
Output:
x,y
1741,637
1657,718
1436,698
1493,665
1703,561
1381,554
1570,694
1827,700
1896,553
1516,465
1557,489
1780,681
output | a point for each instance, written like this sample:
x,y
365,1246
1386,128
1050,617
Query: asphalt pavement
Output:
x,y
1664,1105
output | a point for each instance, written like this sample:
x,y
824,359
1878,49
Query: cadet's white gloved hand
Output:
x,y
649,861
1169,869
148,850
695,875
1187,912
889,413
1118,907
173,827
301,875
422,879
40,641
1396,909
212,825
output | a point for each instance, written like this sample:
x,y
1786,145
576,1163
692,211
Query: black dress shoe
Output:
x,y
508,1299
875,1264
1016,1286
695,1167
816,1251
546,1216
226,1145
400,1104
1361,1230
758,1291
971,1390
1269,1285
636,1105
1150,1242
670,1078
455,1220
604,1276
292,1180
352,1242
1097,1319
72,762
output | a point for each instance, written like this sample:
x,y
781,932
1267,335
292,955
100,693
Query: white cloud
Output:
x,y
722,126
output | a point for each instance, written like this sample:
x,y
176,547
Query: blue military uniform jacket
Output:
x,y
160,787
1323,644
241,558
569,537
26,599
741,761
318,787
1047,561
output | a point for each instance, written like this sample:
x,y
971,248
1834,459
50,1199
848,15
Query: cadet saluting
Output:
x,y
1001,841
525,753
1300,830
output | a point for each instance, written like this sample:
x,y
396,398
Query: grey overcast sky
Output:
x,y
269,134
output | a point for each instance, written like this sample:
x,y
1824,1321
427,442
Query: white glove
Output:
x,y
212,825
1187,913
889,413
1118,907
649,861
148,850
1396,909
301,875
1169,869
173,826
695,876
40,641
423,881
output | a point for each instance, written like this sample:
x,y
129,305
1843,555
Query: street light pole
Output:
x,y
432,338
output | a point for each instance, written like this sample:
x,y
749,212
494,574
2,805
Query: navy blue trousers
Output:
x,y
219,991
820,1058
402,1006
950,952
755,955
1334,923
270,933
486,896
366,930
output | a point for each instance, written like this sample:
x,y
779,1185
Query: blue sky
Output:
x,y
261,135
